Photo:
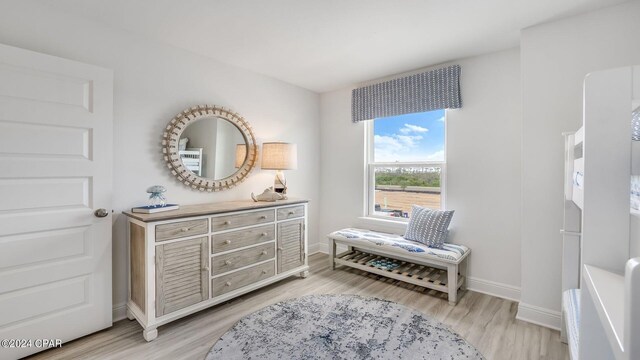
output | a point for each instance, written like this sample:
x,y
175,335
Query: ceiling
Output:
x,y
324,45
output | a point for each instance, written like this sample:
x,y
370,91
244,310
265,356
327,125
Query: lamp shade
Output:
x,y
279,156
241,154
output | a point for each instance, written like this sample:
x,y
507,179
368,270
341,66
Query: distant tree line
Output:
x,y
404,179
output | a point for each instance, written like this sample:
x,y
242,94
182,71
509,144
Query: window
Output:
x,y
406,163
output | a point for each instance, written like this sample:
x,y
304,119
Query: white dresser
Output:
x,y
189,259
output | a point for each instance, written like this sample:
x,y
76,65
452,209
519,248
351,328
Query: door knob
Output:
x,y
101,213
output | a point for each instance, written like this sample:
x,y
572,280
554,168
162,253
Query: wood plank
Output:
x,y
174,290
137,263
290,245
233,221
181,229
241,238
237,259
238,279
210,209
290,212
488,323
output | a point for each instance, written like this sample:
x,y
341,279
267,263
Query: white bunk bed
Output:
x,y
600,276
192,159
571,239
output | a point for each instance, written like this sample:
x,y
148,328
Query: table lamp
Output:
x,y
241,155
279,156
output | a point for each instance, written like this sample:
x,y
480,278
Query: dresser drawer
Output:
x,y
238,259
241,238
239,220
181,229
291,212
238,279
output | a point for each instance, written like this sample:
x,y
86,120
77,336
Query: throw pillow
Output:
x,y
428,226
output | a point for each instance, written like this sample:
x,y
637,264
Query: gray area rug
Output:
x,y
340,327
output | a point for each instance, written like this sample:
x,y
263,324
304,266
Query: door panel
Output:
x,y
55,161
290,245
182,274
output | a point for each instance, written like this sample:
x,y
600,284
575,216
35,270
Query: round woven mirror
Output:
x,y
209,148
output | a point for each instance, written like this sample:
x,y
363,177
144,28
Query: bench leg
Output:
x,y
463,269
452,274
332,253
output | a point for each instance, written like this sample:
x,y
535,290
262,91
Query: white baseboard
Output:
x,y
119,311
319,248
493,288
539,316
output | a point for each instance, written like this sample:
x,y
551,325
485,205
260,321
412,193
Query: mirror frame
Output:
x,y
176,127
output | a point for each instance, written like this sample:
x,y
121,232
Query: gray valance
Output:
x,y
431,90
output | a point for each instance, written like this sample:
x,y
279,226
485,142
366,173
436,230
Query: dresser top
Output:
x,y
210,209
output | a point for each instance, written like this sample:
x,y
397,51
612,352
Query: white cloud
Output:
x,y
392,148
395,147
409,140
436,156
408,128
441,119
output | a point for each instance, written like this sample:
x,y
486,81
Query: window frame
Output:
x,y
371,165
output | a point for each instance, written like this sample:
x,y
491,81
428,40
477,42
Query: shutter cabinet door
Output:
x,y
290,245
182,274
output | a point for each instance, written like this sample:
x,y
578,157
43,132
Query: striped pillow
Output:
x,y
428,226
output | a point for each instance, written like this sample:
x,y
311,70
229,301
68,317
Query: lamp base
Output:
x,y
280,183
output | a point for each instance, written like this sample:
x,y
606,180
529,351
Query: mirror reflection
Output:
x,y
212,148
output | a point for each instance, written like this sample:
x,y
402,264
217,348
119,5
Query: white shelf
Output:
x,y
607,291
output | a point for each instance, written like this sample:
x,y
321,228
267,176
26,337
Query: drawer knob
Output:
x,y
264,252
264,234
280,249
227,262
263,217
264,271
184,229
206,268
228,283
227,242
291,212
227,222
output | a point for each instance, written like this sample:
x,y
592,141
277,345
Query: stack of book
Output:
x,y
150,209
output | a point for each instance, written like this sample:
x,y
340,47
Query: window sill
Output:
x,y
383,225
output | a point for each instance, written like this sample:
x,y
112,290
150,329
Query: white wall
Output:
x,y
203,134
483,168
228,139
555,59
153,82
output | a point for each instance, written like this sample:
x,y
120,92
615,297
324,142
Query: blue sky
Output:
x,y
411,137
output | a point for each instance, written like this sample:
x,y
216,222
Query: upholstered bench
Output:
x,y
393,256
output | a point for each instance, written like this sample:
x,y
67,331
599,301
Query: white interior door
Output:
x,y
55,170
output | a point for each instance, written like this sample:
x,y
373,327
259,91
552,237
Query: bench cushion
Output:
x,y
392,243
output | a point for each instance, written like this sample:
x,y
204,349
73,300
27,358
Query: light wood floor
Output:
x,y
486,322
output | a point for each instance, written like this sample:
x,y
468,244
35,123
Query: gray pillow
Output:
x,y
428,226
